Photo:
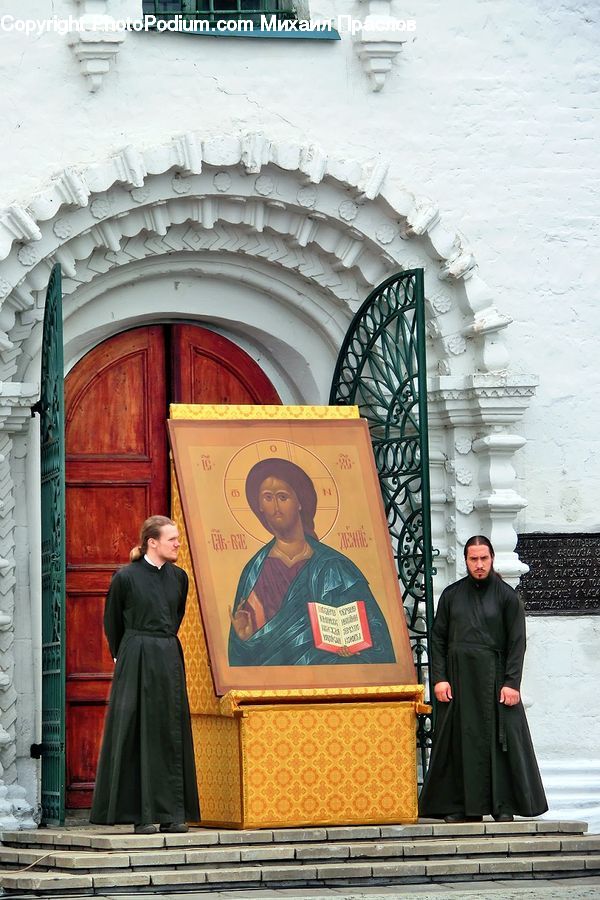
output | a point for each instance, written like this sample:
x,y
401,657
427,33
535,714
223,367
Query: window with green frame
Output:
x,y
218,10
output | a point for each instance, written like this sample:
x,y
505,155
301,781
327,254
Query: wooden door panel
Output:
x,y
89,689
89,654
84,733
208,368
126,383
117,474
86,581
117,510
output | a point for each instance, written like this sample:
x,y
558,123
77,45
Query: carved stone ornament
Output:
x,y
264,185
96,42
100,209
62,229
455,345
28,255
379,41
222,181
441,304
463,476
386,233
348,210
140,195
307,196
181,184
463,445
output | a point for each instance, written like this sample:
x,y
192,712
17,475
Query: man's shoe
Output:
x,y
145,829
504,817
455,818
174,828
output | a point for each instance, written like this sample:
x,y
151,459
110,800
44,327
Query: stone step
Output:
x,y
121,838
349,872
86,861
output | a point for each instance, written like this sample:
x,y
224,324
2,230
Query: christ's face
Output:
x,y
479,561
279,505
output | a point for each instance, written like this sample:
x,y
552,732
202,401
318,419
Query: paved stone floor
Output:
x,y
555,889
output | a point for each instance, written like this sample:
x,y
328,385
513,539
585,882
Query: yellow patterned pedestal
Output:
x,y
268,759
326,763
287,764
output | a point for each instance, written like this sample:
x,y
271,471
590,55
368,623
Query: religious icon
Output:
x,y
291,554
299,601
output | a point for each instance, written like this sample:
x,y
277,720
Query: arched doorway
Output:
x,y
116,403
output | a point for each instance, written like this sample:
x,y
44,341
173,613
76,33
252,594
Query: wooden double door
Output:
x,y
117,474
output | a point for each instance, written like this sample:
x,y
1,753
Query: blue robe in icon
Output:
x,y
286,639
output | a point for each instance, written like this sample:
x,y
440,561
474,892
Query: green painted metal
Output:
x,y
51,408
215,10
235,19
381,368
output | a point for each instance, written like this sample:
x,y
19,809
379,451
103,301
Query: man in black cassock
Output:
x,y
482,761
146,771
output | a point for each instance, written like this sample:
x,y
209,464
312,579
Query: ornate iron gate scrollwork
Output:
x,y
51,409
381,368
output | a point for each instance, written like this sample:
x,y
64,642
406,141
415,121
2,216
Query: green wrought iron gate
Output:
x,y
51,409
381,368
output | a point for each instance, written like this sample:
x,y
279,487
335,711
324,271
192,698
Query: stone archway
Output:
x,y
302,237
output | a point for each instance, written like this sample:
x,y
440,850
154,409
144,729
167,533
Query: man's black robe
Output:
x,y
146,772
482,761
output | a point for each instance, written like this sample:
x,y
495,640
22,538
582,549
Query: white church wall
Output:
x,y
560,682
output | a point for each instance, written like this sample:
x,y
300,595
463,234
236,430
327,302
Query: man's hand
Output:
x,y
443,691
344,651
509,696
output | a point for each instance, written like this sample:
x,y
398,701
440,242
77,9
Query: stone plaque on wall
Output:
x,y
564,573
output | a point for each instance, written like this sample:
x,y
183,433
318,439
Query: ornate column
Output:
x,y
478,413
498,503
15,416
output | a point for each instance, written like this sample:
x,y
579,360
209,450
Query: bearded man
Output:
x,y
482,761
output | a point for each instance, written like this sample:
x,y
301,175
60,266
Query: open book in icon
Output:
x,y
342,626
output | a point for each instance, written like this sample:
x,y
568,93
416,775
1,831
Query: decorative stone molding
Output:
x,y
95,43
498,502
480,411
15,812
21,224
16,401
370,213
379,41
480,401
